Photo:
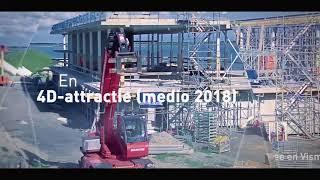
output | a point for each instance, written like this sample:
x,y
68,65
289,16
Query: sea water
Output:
x,y
226,57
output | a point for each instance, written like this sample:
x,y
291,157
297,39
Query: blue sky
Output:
x,y
21,28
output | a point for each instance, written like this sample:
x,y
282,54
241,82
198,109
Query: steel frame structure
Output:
x,y
295,75
205,121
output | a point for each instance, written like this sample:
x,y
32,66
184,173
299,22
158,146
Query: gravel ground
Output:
x,y
163,138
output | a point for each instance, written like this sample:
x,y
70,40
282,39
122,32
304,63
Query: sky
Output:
x,y
21,28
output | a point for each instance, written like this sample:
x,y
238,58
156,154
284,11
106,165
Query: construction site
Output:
x,y
258,79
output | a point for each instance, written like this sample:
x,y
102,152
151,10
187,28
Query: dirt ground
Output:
x,y
11,156
248,149
32,134
195,160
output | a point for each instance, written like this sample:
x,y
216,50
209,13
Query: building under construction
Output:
x,y
276,84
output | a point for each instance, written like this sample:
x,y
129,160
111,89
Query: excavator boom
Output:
x,y
123,145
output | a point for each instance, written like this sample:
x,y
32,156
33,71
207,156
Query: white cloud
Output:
x,y
17,28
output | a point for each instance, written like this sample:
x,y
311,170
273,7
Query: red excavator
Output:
x,y
120,141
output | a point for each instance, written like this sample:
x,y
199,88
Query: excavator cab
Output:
x,y
133,129
132,136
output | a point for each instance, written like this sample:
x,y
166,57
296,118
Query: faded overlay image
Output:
x,y
160,89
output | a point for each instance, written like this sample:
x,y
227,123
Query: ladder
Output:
x,y
298,125
290,117
206,121
294,98
213,126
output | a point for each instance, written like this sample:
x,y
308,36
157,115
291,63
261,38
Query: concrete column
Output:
x,y
140,45
161,47
70,45
64,50
158,53
78,50
99,52
91,51
148,53
179,55
182,49
84,50
152,50
171,46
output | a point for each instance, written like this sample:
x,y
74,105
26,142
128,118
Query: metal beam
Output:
x,y
281,21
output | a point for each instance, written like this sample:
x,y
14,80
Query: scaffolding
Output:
x,y
202,64
207,121
284,53
300,78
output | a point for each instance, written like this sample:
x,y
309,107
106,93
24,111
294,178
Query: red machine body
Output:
x,y
4,80
124,143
